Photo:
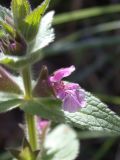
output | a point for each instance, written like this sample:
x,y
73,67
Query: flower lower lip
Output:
x,y
70,94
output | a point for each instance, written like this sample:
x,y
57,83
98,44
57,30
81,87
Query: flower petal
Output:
x,y
41,124
80,94
74,100
70,86
61,73
70,103
71,94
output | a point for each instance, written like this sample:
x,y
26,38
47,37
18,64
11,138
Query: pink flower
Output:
x,y
42,124
71,94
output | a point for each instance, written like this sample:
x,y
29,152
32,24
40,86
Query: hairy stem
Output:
x,y
27,82
30,119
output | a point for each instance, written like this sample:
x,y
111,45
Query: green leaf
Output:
x,y
20,9
45,33
4,12
96,116
8,82
48,108
61,143
7,28
2,33
19,62
25,153
9,105
31,23
9,101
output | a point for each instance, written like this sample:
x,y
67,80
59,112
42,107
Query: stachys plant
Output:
x,y
23,34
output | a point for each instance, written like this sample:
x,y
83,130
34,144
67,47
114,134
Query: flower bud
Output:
x,y
43,87
7,82
13,46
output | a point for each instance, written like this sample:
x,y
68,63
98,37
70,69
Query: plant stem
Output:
x,y
27,82
30,119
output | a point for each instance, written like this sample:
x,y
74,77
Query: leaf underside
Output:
x,y
96,116
61,143
45,33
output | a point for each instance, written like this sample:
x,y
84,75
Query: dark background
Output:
x,y
97,70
